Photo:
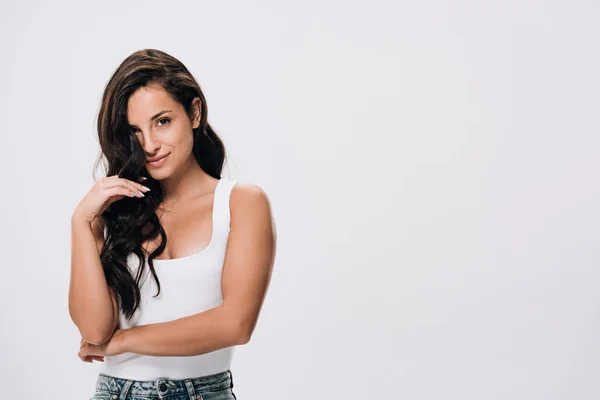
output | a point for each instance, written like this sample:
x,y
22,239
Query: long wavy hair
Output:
x,y
130,222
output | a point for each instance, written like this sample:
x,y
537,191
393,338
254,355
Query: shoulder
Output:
x,y
249,202
247,196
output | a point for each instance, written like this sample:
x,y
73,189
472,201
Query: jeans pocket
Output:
x,y
104,396
224,394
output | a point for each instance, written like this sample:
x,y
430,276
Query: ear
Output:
x,y
196,112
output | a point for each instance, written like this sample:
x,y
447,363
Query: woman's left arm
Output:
x,y
246,275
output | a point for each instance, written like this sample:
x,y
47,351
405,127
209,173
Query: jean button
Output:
x,y
163,387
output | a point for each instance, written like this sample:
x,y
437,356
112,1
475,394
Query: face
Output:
x,y
163,128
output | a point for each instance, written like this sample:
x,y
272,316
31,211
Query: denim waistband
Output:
x,y
163,386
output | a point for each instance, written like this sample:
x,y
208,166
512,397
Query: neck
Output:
x,y
189,181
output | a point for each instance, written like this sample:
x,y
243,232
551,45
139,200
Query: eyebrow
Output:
x,y
156,115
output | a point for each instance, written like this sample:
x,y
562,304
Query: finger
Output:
x,y
116,181
90,350
138,185
135,187
91,358
126,183
94,358
119,190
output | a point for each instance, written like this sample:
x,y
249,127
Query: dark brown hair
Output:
x,y
130,222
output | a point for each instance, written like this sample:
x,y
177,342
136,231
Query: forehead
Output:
x,y
146,102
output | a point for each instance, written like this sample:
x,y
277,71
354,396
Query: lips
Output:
x,y
157,161
157,158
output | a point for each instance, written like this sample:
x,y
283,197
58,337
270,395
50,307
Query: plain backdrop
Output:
x,y
432,168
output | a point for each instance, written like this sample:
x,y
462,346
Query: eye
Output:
x,y
167,120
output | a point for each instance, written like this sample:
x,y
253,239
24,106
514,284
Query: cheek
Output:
x,y
187,142
183,143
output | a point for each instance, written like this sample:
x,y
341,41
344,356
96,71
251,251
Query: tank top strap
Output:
x,y
221,204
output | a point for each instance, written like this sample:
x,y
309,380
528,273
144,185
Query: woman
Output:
x,y
170,262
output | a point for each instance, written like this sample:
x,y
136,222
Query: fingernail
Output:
x,y
143,178
147,189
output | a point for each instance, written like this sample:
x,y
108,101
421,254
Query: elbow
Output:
x,y
96,330
96,334
243,333
238,327
95,337
243,338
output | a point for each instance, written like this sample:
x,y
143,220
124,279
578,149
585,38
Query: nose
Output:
x,y
149,142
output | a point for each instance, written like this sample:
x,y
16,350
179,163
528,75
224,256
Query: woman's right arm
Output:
x,y
92,304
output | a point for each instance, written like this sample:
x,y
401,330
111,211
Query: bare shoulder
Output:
x,y
248,195
250,202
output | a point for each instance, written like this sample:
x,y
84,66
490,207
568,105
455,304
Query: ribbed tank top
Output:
x,y
189,285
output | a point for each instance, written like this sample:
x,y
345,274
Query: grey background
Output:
x,y
432,168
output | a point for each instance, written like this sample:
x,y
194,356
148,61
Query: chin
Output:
x,y
160,174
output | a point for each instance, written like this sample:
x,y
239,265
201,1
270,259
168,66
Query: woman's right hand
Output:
x,y
106,191
90,358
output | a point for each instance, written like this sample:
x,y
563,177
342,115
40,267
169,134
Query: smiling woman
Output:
x,y
166,326
164,132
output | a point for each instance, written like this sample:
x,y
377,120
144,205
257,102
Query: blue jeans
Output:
x,y
212,387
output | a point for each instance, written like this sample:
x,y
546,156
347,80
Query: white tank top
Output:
x,y
188,285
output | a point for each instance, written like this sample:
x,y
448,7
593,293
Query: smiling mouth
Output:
x,y
159,161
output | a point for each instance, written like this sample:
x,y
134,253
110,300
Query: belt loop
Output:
x,y
191,391
125,389
230,378
231,386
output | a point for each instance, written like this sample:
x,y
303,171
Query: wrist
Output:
x,y
78,220
121,340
